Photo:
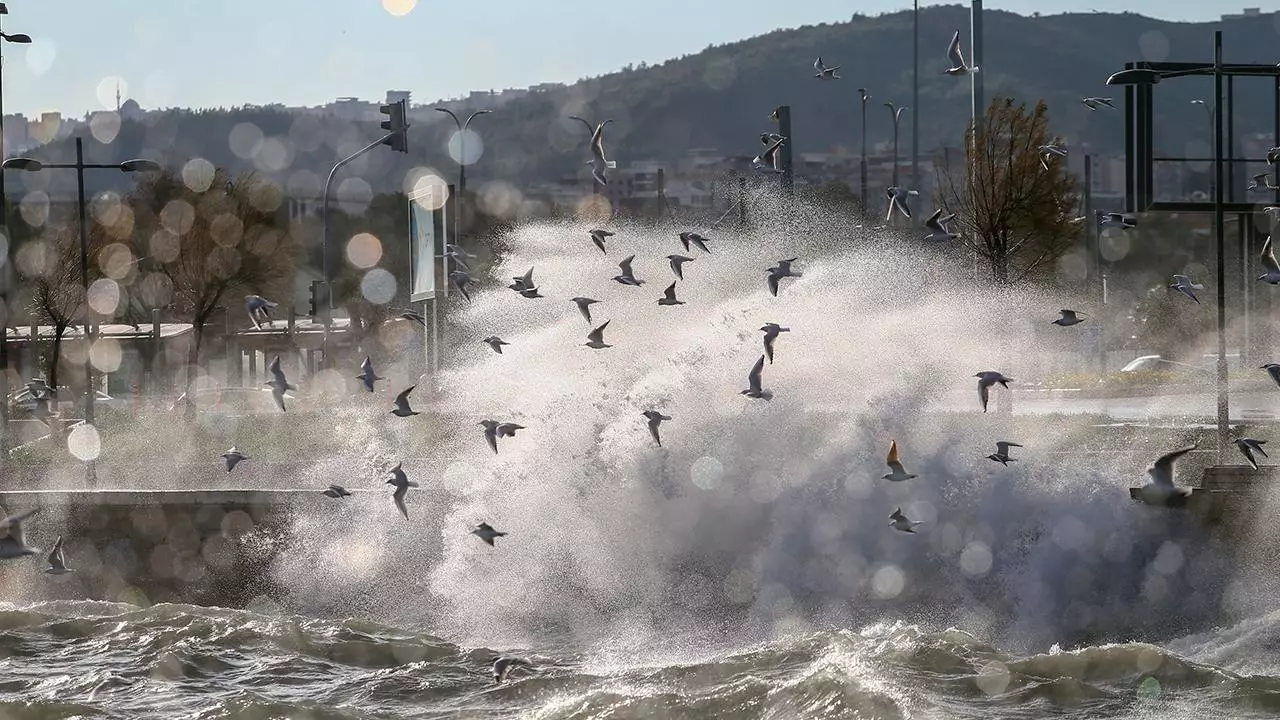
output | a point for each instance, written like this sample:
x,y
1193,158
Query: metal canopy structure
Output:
x,y
1139,152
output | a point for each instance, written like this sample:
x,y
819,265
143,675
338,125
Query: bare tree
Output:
x,y
51,266
1014,204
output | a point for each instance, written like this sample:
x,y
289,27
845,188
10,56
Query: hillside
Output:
x,y
721,98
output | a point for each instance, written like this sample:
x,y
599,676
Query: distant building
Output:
x,y
395,96
1246,13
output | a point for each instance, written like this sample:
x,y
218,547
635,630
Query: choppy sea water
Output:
x,y
108,660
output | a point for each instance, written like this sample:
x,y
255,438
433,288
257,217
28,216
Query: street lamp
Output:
x,y
129,166
897,115
21,39
462,145
1147,76
862,92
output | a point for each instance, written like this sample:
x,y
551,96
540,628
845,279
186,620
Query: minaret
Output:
x,y
117,97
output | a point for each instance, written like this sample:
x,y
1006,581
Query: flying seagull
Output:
x,y
1048,152
1272,274
459,257
1161,487
626,277
695,240
769,137
414,316
1093,103
279,383
1262,182
677,262
486,533
1273,369
896,472
938,225
524,285
779,271
503,666
402,484
598,237
669,296
584,306
457,251
754,387
233,457
402,408
367,375
986,379
598,162
13,543
958,65
1001,455
1069,317
771,331
1273,155
821,71
899,522
491,433
461,280
258,307
897,198
496,343
1124,221
336,491
1184,285
655,419
57,560
595,338
769,161
1249,446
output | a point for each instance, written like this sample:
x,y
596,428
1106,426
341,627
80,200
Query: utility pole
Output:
x,y
975,78
915,97
783,116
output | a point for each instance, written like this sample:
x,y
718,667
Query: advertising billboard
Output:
x,y
426,240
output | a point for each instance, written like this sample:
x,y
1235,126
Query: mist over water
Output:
x,y
757,519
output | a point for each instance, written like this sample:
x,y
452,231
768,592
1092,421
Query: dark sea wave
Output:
x,y
106,660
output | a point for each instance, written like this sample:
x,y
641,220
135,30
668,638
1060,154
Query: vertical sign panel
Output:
x,y
424,245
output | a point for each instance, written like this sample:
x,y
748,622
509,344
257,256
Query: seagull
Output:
x,y
754,388
595,338
486,533
402,484
1183,284
57,560
1273,156
1249,446
958,65
1262,181
491,433
695,240
336,491
461,280
1001,455
769,161
896,472
507,429
901,523
523,284
503,666
584,306
598,162
496,343
402,408
669,296
1273,369
823,72
257,307
1161,487
769,137
626,277
1272,275
1271,211
898,199
779,271
986,379
655,419
12,543
676,262
937,223
771,331
414,316
279,384
459,258
1069,318
1093,103
1125,222
233,457
1047,152
598,237
367,375
456,250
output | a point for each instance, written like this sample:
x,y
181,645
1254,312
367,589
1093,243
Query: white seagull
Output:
x,y
485,532
1261,183
1001,455
627,277
1249,446
820,70
896,472
58,560
279,383
897,198
771,330
986,379
1093,103
755,388
598,162
769,161
233,458
1272,274
958,65
1184,285
367,376
939,226
1124,221
13,542
595,338
899,522
655,419
257,307
1161,488
402,484
598,237
1047,153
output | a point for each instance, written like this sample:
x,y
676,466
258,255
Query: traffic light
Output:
x,y
315,298
396,125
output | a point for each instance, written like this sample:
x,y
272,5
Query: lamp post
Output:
x,y
129,166
1147,76
915,94
6,269
897,115
462,146
862,92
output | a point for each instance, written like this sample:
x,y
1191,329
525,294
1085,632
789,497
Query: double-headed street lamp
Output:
x,y
897,115
129,166
462,146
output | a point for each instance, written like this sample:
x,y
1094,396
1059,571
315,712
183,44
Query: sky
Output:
x,y
176,53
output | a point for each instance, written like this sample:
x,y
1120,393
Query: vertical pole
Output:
x,y
1244,233
1230,153
462,163
5,273
915,97
1130,169
152,383
1099,275
784,129
895,146
1219,222
863,162
742,201
975,45
84,282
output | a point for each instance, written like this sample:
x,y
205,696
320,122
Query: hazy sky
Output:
x,y
231,52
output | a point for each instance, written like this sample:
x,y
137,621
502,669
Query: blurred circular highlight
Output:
x,y
364,250
84,442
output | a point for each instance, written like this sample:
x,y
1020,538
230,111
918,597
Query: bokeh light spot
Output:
x,y
106,355
40,55
378,286
84,442
975,559
888,582
107,88
993,678
399,8
706,472
428,189
104,296
364,250
245,140
198,174
466,147
115,260
104,126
